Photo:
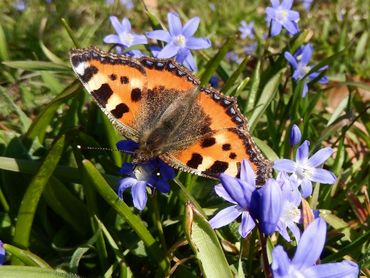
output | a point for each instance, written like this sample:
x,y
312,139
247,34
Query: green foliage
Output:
x,y
59,212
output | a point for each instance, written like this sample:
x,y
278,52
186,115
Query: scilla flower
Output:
x,y
307,169
304,262
154,173
180,40
281,15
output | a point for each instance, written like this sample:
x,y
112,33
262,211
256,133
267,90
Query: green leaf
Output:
x,y
205,245
50,55
124,211
39,126
10,271
215,61
4,54
361,46
33,193
254,87
70,33
26,257
231,81
36,65
268,94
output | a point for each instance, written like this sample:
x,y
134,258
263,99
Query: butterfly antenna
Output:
x,y
102,149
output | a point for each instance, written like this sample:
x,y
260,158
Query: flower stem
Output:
x,y
157,219
266,267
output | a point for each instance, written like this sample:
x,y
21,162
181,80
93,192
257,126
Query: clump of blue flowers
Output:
x,y
154,174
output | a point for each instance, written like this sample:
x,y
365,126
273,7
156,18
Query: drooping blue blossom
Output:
x,y
281,15
307,169
307,4
246,30
303,263
154,173
128,4
250,48
180,40
125,37
20,5
290,213
300,63
2,253
248,202
214,81
294,135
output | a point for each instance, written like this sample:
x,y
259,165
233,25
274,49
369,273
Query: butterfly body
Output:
x,y
159,104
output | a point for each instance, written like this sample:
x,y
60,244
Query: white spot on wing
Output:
x,y
113,101
136,83
221,138
80,69
206,163
96,81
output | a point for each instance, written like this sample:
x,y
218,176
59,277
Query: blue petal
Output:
x,y
247,174
112,39
125,184
162,186
198,43
161,35
302,151
275,3
323,176
345,269
127,169
2,253
139,39
291,59
305,89
116,24
295,135
320,157
220,191
168,51
287,4
167,172
139,195
280,262
306,187
182,54
295,231
291,27
191,27
127,146
307,253
174,24
189,62
307,54
293,16
247,224
285,165
126,26
224,217
236,189
275,28
270,206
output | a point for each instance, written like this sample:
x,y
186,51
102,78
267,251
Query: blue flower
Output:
x,y
128,4
180,40
262,205
154,173
300,62
233,57
20,5
2,253
250,49
307,253
307,4
281,15
247,30
290,213
125,37
214,81
294,135
307,169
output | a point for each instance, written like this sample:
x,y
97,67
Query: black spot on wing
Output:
x,y
113,76
88,74
124,79
75,60
226,147
102,94
195,161
217,167
135,94
208,142
232,155
120,110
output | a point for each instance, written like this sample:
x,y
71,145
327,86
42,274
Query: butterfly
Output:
x,y
160,105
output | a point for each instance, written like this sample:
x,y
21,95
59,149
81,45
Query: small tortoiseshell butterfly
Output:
x,y
160,105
